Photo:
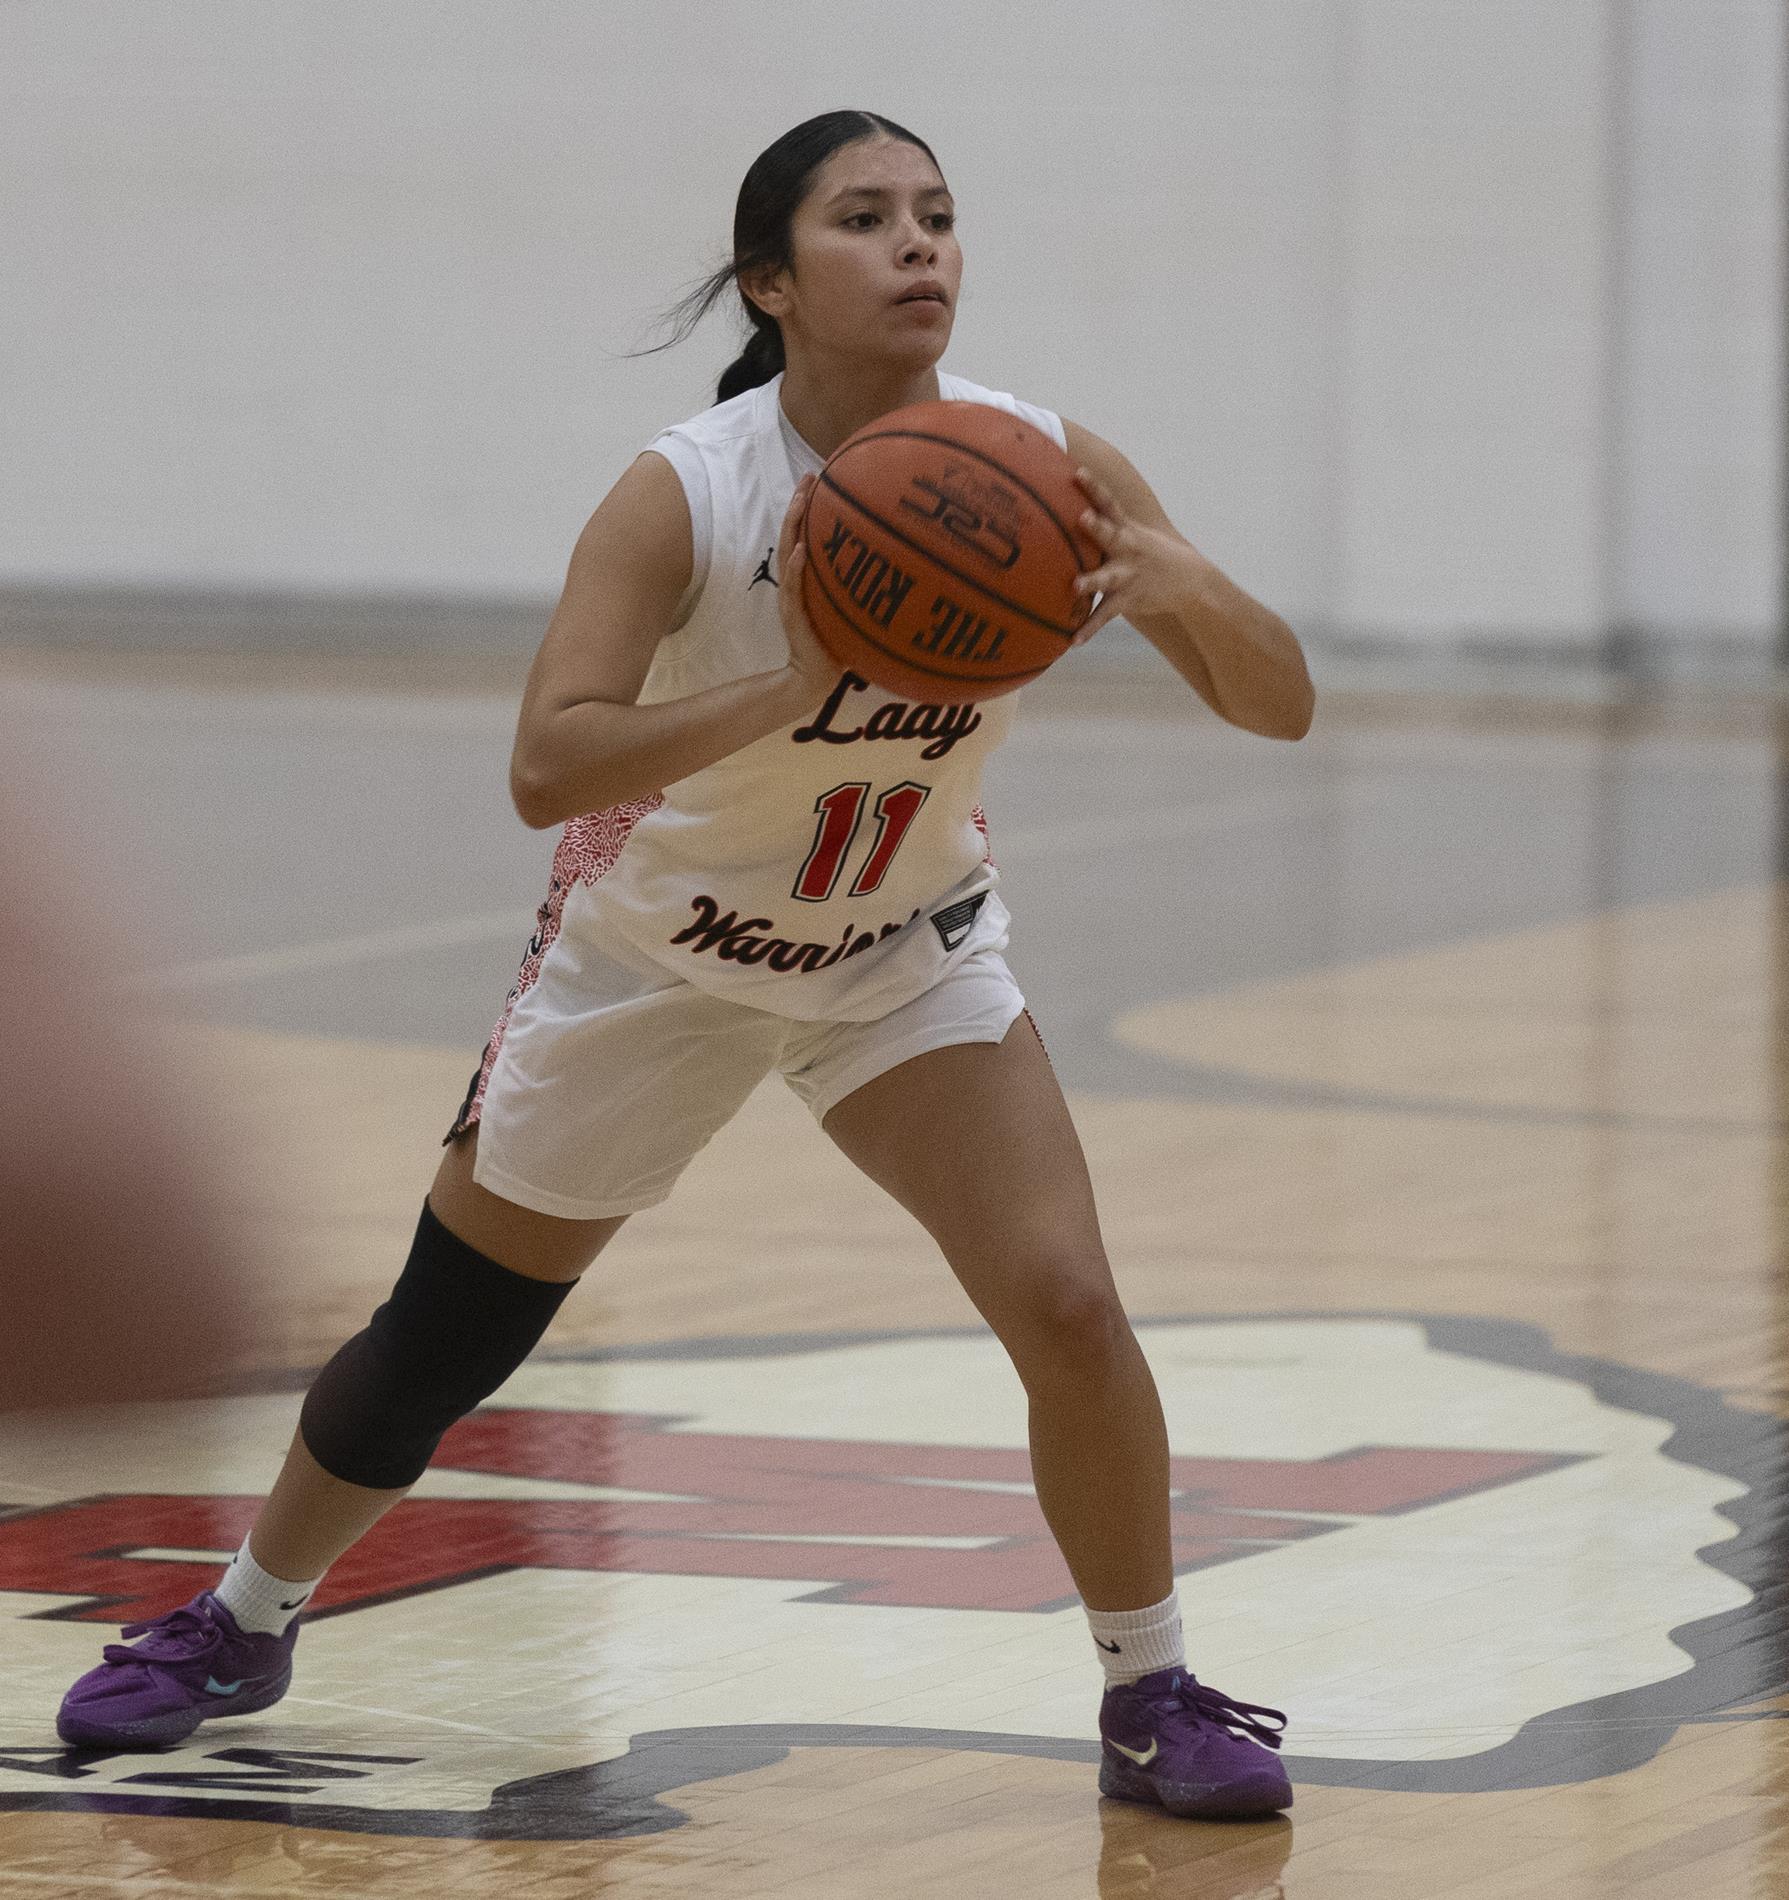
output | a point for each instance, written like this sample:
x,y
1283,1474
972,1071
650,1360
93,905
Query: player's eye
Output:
x,y
861,220
942,220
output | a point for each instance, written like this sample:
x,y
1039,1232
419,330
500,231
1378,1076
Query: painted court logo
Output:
x,y
590,1559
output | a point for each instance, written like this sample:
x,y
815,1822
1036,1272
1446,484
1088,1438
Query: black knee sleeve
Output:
x,y
455,1327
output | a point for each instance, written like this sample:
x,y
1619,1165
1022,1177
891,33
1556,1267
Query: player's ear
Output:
x,y
767,287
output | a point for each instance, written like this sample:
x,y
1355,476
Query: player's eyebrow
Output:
x,y
881,192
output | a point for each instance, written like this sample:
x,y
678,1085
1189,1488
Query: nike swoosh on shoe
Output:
x,y
1142,1757
214,1687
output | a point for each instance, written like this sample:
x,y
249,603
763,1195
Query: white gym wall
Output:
x,y
1428,318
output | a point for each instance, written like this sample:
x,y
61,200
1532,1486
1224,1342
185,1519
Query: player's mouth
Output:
x,y
926,293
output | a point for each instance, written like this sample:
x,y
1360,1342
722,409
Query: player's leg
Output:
x,y
311,1515
604,1086
483,1279
975,1141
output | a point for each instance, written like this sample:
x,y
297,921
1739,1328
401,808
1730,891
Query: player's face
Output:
x,y
877,265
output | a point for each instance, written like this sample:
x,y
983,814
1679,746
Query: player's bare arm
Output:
x,y
582,741
1239,656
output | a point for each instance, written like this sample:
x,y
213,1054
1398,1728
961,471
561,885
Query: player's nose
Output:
x,y
919,246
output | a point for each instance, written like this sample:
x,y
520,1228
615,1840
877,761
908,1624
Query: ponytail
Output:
x,y
760,360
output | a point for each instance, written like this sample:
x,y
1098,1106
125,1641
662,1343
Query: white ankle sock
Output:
x,y
257,1600
1135,1643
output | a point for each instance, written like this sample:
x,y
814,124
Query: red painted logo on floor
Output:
x,y
731,1505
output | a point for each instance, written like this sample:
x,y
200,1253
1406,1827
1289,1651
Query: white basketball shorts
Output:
x,y
612,1076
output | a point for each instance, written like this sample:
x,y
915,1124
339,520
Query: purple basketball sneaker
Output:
x,y
192,1664
1169,1740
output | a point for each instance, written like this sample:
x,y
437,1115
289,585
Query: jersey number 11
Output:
x,y
840,812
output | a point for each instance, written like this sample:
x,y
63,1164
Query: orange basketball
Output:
x,y
943,544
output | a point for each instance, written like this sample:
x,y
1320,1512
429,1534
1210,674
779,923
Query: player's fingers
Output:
x,y
1102,580
1104,612
806,649
1111,602
791,606
1109,607
1103,499
1104,529
792,519
790,562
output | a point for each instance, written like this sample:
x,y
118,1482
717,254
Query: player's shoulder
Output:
x,y
740,415
960,389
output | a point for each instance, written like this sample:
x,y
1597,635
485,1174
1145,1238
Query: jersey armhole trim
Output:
x,y
686,464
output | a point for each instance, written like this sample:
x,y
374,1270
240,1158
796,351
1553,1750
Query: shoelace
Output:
x,y
183,1635
1190,1695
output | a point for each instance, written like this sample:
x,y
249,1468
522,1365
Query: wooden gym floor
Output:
x,y
1431,1076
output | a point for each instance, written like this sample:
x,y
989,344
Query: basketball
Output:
x,y
943,543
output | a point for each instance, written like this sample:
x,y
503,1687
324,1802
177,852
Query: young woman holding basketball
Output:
x,y
673,723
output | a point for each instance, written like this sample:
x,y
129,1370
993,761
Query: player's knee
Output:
x,y
1071,1322
455,1326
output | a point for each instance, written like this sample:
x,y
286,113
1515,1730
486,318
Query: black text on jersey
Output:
x,y
942,726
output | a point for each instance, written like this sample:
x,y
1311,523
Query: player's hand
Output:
x,y
1145,570
810,665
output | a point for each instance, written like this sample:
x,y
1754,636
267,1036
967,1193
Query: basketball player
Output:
x,y
706,923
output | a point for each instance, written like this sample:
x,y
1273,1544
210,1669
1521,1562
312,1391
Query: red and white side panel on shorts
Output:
x,y
589,847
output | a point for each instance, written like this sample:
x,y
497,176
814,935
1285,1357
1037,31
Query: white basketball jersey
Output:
x,y
835,869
